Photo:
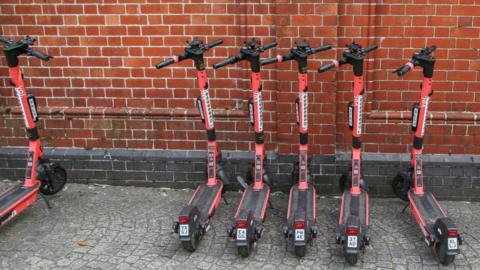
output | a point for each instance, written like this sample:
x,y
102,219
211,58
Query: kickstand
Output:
x,y
225,200
405,208
270,204
45,200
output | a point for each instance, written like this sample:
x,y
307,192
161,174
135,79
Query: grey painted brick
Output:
x,y
93,164
456,171
436,171
472,171
139,166
119,165
159,176
126,175
16,163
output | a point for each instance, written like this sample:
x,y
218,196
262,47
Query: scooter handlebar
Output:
x,y
228,61
39,55
321,48
269,61
268,46
5,40
213,44
165,63
371,48
326,67
403,69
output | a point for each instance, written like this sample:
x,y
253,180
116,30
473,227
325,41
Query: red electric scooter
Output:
x,y
300,223
353,221
251,211
438,229
40,174
194,218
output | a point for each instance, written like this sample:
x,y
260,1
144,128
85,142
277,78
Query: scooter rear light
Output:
x,y
183,220
299,225
242,224
352,231
452,233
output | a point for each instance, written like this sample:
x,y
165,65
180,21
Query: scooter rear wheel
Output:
x,y
398,184
441,251
245,251
192,244
352,259
300,251
56,179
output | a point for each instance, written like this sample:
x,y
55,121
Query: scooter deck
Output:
x,y
355,205
205,197
427,206
254,200
301,201
13,195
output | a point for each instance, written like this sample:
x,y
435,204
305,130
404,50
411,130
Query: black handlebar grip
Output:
x,y
5,39
321,48
165,63
39,55
269,46
431,49
402,70
326,67
371,48
213,44
269,61
225,62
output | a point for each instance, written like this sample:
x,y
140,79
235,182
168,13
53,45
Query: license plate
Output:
x,y
352,241
241,234
184,230
452,243
300,235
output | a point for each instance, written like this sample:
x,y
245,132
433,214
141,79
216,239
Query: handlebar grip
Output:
x,y
269,61
225,62
321,48
165,63
5,39
269,46
402,70
326,67
371,48
213,44
39,55
431,49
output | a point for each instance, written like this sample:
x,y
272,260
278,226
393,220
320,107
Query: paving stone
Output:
x,y
130,228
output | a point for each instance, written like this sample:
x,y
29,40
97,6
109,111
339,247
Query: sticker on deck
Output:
x,y
184,230
352,241
452,243
241,234
300,235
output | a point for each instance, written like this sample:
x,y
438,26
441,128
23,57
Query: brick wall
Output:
x,y
101,90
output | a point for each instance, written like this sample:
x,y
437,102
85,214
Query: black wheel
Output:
x,y
441,251
398,185
300,251
344,183
245,251
55,180
352,259
192,244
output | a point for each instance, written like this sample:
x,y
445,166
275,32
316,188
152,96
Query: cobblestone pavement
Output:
x,y
104,227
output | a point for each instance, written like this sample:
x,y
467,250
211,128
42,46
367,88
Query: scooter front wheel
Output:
x,y
192,244
55,180
245,251
352,259
441,251
300,251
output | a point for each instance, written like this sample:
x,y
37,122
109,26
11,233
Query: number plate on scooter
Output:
x,y
352,241
184,230
300,235
241,234
452,243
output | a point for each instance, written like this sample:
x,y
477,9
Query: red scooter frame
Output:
x,y
438,229
251,210
194,218
301,214
353,221
40,174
